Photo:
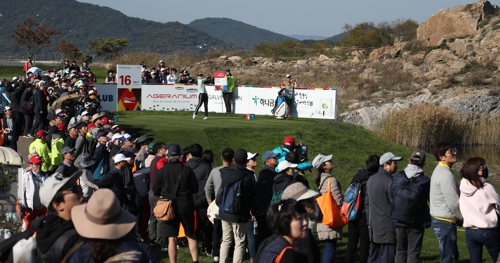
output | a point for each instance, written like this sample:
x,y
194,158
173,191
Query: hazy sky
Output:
x,y
316,17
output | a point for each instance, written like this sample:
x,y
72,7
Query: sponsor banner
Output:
x,y
169,98
108,96
129,99
308,103
220,80
129,76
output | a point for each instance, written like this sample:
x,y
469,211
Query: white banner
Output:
x,y
129,76
108,96
308,103
169,97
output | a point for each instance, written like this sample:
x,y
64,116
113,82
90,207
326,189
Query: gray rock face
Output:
x,y
468,101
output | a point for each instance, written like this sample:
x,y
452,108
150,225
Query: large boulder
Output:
x,y
441,62
455,22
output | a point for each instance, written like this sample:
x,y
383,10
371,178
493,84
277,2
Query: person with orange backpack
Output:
x,y
288,219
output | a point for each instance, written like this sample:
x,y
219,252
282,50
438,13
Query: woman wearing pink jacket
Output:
x,y
479,204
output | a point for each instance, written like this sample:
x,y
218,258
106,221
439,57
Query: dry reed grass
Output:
x,y
425,124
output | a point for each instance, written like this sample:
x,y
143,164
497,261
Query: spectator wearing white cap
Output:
x,y
284,177
114,179
327,234
9,127
378,210
115,145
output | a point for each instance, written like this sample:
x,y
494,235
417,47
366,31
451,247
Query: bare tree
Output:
x,y
33,36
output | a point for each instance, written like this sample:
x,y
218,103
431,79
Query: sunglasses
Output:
x,y
453,150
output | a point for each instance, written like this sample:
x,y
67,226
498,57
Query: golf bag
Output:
x,y
280,109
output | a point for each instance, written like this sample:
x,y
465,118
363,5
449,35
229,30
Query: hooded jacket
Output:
x,y
201,172
231,175
415,173
479,206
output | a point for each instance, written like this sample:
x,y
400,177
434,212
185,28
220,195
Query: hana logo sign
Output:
x,y
255,100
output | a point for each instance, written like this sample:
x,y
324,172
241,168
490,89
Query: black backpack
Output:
x,y
142,181
407,200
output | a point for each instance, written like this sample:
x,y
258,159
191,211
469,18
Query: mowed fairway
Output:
x,y
349,144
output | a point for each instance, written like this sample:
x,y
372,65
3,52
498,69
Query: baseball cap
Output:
x,y
199,75
289,141
161,61
53,184
35,159
389,156
121,158
228,69
174,149
125,137
320,159
298,191
41,133
267,155
61,127
150,145
116,136
71,125
7,108
101,134
288,76
85,113
417,157
285,165
91,126
251,155
67,149
104,120
115,127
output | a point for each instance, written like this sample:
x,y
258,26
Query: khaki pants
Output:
x,y
230,231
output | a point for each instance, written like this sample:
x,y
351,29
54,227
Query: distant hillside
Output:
x,y
306,37
236,32
336,38
82,22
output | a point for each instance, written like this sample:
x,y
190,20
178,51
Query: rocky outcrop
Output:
x,y
468,101
456,22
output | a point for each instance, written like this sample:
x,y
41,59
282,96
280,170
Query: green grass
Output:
x,y
349,144
9,72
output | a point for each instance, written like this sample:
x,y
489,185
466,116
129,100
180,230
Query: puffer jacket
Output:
x,y
325,232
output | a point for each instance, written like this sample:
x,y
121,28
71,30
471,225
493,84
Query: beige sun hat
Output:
x,y
102,217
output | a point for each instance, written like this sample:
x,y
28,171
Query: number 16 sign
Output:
x,y
129,76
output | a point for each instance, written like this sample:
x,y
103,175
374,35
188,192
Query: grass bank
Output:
x,y
349,144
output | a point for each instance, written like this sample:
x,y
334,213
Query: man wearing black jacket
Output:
x,y
177,182
40,108
114,179
234,225
265,186
201,172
